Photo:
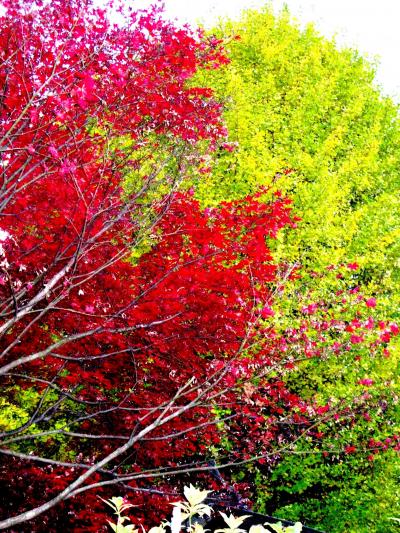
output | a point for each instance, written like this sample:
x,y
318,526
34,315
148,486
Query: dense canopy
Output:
x,y
198,265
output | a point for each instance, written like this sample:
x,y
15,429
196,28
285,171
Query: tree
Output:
x,y
137,329
294,101
85,106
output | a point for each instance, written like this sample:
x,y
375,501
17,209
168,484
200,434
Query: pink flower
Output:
x,y
53,152
353,266
309,309
205,170
68,167
366,382
266,312
371,302
229,146
356,339
354,290
370,323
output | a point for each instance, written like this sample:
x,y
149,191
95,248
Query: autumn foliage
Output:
x,y
138,334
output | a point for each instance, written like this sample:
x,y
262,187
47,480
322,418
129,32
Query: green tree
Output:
x,y
295,102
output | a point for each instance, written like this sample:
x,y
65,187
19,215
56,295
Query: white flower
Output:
x,y
233,523
258,529
195,497
276,527
118,503
279,528
297,528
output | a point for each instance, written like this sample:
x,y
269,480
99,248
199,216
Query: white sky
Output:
x,y
372,26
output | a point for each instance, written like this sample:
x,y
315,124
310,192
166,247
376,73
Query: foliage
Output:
x,y
143,336
305,118
195,507
334,472
98,127
294,101
342,492
119,506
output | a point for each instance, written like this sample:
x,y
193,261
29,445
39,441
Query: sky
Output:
x,y
371,26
